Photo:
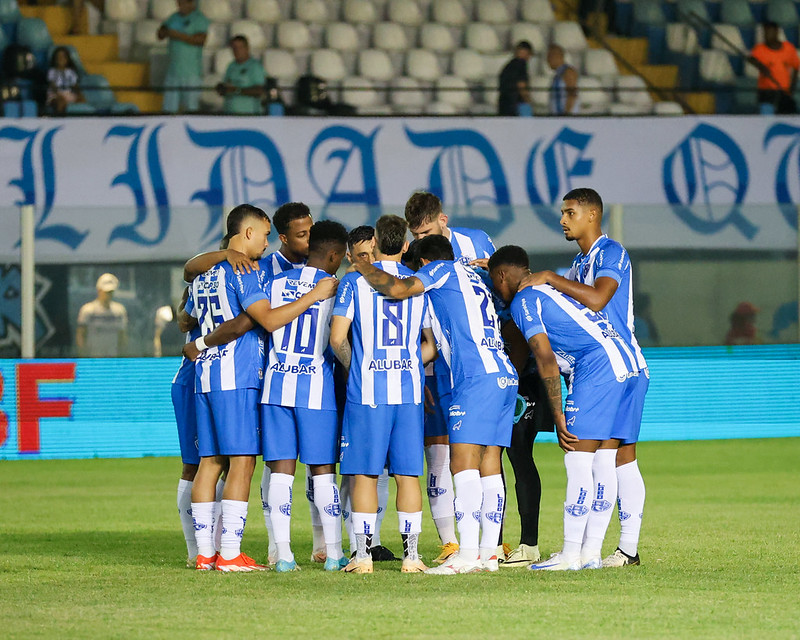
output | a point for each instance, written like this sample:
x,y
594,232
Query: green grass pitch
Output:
x,y
93,549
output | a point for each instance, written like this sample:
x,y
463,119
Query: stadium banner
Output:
x,y
153,188
107,408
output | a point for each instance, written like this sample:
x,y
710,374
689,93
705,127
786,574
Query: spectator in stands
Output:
x,y
514,81
564,89
102,323
186,30
777,64
167,337
243,85
62,81
743,326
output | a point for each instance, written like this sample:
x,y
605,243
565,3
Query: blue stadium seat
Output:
x,y
9,16
745,99
736,12
33,33
80,109
124,108
783,12
98,92
697,7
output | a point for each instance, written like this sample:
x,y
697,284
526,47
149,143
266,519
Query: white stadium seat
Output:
x,y
625,109
601,64
389,36
730,33
539,11
631,90
441,109
681,38
222,58
209,98
145,33
405,12
668,109
328,64
375,65
493,12
216,10
359,12
162,9
481,37
280,64
254,33
122,10
361,93
493,64
341,36
406,93
716,67
449,12
266,11
468,64
592,96
569,35
540,92
217,36
436,37
422,64
313,11
293,35
533,33
453,90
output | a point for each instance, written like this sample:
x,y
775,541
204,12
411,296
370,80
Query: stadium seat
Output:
x,y
359,12
216,10
449,12
222,58
422,64
538,11
144,34
9,11
281,64
593,97
540,93
626,109
389,37
687,8
716,68
312,11
784,12
600,64
73,54
328,64
745,98
33,33
482,38
729,39
361,93
342,37
648,12
254,33
293,35
736,12
436,37
217,36
97,91
441,109
632,90
375,64
405,12
493,12
265,11
123,10
533,33
80,109
570,36
453,90
468,64
406,94
682,39
668,108
162,9
209,98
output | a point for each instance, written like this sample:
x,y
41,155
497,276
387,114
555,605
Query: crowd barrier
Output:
x,y
107,408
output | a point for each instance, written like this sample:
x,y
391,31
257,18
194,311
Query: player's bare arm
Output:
x,y
202,262
388,285
428,346
273,319
340,325
185,322
594,297
517,346
226,332
551,377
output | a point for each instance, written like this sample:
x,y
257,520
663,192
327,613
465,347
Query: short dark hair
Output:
x,y
435,248
422,207
239,214
510,254
390,232
325,233
359,234
523,44
411,256
584,196
770,24
240,38
288,212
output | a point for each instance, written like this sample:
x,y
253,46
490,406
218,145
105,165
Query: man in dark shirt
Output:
x,y
514,81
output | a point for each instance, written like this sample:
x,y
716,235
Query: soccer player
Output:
x,y
298,404
425,217
484,390
228,379
602,377
383,417
601,279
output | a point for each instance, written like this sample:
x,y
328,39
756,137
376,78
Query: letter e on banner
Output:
x,y
31,408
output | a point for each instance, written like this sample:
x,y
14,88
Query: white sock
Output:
x,y
440,491
185,513
494,497
578,501
234,518
271,548
363,527
280,513
383,502
326,497
469,497
410,525
318,538
347,508
630,501
218,513
203,523
604,478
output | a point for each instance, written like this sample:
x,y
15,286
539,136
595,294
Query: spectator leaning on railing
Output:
x,y
243,85
186,30
777,64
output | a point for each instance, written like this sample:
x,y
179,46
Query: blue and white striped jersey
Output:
x,y
300,366
185,373
218,295
273,265
608,259
470,244
386,366
585,343
467,320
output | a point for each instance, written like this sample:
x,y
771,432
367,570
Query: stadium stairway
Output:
x,y
99,55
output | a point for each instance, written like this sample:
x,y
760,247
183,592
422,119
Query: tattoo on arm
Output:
x,y
343,354
384,282
553,386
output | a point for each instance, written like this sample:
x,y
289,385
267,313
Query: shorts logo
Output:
x,y
576,510
459,516
286,509
495,516
435,492
600,505
333,510
457,425
476,515
504,382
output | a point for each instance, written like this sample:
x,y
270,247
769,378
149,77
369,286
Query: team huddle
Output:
x,y
444,351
